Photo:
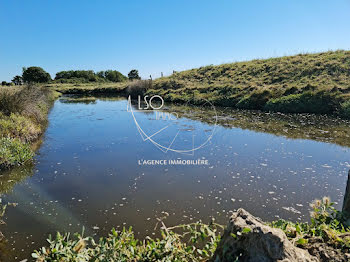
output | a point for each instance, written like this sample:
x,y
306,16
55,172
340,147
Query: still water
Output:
x,y
94,169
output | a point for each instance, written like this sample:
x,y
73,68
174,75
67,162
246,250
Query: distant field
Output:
x,y
88,88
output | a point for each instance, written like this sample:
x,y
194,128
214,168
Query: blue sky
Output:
x,y
161,36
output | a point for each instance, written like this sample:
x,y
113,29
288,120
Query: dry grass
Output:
x,y
138,87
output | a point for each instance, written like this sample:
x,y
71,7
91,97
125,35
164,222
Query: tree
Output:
x,y
101,74
35,74
17,80
3,83
134,75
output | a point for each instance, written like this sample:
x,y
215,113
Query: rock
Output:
x,y
346,202
247,238
325,252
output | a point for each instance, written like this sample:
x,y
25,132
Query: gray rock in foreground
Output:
x,y
246,238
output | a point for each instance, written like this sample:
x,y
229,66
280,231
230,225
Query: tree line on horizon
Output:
x,y
35,74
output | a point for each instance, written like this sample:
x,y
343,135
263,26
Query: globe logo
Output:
x,y
174,128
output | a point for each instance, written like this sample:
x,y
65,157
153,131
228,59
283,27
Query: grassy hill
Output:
x,y
309,83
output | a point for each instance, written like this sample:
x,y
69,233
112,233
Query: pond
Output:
x,y
105,164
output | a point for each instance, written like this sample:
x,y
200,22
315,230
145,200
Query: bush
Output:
x,y
308,102
138,87
10,101
30,101
14,152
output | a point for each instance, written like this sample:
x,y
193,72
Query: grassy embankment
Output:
x,y
23,117
197,241
306,83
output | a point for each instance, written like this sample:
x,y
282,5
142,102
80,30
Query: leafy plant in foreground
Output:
x,y
191,242
327,223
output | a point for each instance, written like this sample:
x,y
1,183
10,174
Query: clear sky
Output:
x,y
161,36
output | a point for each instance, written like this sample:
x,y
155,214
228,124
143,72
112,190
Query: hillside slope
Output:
x,y
309,83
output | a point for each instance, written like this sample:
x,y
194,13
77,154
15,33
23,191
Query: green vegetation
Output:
x,y
14,152
328,225
86,76
308,83
90,88
194,242
309,102
35,74
345,109
23,112
134,75
17,80
305,83
38,75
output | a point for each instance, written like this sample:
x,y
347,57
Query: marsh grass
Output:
x,y
23,117
89,88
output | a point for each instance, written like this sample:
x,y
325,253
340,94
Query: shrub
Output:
x,y
138,87
14,152
308,102
30,101
10,101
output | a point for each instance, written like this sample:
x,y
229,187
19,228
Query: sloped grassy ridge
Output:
x,y
305,83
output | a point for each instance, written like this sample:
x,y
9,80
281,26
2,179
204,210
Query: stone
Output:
x,y
346,202
247,238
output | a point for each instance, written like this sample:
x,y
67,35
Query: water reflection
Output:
x,y
9,178
87,174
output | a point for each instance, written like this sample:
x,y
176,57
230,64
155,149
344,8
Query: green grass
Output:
x,y
14,152
23,117
322,102
287,84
